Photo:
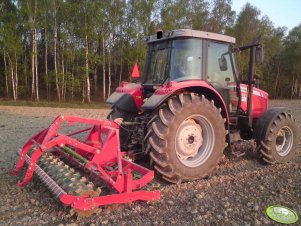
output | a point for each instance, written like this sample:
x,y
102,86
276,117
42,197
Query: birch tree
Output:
x,y
11,47
55,44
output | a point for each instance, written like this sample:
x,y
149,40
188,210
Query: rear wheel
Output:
x,y
281,144
186,138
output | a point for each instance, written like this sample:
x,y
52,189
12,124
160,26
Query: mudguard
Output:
x,y
172,87
127,97
265,122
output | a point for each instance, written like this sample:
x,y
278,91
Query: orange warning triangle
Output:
x,y
136,73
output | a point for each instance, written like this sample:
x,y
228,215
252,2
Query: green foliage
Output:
x,y
54,104
222,16
121,26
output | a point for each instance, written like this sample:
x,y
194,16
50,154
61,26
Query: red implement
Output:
x,y
98,154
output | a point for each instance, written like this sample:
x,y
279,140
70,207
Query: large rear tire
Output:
x,y
186,138
281,143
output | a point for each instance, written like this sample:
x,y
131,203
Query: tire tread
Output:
x,y
159,153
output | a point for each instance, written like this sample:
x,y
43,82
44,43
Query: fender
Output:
x,y
127,97
198,86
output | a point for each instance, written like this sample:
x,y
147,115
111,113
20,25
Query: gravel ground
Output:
x,y
237,193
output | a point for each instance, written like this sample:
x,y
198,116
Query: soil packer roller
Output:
x,y
187,109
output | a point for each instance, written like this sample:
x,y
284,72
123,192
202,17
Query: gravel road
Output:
x,y
237,192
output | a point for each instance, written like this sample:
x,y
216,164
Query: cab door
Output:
x,y
220,73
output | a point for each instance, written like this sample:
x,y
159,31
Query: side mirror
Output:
x,y
222,63
259,54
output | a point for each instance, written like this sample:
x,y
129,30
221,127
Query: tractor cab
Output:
x,y
187,55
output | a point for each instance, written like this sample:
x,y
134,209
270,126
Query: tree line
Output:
x,y
67,50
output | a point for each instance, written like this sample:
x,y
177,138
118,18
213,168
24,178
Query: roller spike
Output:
x,y
66,166
68,174
72,185
79,190
98,190
49,157
73,179
83,179
77,175
54,161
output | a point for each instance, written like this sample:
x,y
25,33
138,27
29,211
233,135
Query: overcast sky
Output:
x,y
281,12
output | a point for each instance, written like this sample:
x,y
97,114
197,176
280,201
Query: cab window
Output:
x,y
219,72
186,59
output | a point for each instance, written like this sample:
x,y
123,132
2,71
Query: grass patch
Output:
x,y
54,104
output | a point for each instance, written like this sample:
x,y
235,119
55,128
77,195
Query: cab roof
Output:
x,y
164,35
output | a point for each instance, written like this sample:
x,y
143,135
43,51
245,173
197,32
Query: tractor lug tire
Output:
x,y
281,142
186,138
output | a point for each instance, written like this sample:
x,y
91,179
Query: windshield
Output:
x,y
174,59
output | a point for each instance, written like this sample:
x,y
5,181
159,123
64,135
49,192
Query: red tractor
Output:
x,y
190,102
183,115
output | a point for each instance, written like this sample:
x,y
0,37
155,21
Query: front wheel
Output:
x,y
186,138
281,143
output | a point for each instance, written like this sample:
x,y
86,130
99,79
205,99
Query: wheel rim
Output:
x,y
194,140
284,141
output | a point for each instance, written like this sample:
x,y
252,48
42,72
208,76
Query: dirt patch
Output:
x,y
237,193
